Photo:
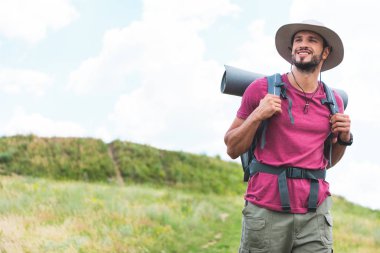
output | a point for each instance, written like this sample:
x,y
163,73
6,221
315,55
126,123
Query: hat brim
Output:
x,y
284,43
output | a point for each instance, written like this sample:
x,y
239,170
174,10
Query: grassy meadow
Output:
x,y
44,215
41,215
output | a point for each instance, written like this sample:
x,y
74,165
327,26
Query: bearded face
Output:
x,y
306,65
308,51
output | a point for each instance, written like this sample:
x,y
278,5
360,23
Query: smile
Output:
x,y
303,52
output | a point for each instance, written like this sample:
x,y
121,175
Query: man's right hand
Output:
x,y
269,105
240,134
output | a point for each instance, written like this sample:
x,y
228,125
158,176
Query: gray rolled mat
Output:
x,y
235,81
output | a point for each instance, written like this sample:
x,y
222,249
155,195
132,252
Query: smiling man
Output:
x,y
298,126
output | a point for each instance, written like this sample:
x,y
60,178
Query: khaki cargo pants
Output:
x,y
267,231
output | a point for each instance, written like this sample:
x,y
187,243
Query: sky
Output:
x,y
149,72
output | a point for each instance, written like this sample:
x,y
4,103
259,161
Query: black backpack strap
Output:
x,y
247,157
330,101
274,87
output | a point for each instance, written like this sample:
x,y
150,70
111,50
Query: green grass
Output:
x,y
43,215
356,229
39,215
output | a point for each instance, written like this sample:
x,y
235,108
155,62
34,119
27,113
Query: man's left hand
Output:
x,y
340,125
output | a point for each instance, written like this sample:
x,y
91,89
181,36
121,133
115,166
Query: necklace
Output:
x,y
307,100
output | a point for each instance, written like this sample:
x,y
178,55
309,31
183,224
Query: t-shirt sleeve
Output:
x,y
251,97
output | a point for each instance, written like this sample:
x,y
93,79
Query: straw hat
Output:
x,y
285,34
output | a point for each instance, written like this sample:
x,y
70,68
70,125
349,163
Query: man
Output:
x,y
298,126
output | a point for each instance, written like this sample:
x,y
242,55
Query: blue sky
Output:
x,y
149,72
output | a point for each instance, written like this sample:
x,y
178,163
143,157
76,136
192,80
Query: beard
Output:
x,y
308,67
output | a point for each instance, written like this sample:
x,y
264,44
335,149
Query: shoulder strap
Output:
x,y
330,101
273,88
247,156
272,81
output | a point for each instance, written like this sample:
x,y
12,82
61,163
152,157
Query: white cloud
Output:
x,y
176,98
14,81
258,54
196,14
30,20
137,118
22,123
166,36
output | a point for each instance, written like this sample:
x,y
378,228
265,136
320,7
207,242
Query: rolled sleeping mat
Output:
x,y
235,81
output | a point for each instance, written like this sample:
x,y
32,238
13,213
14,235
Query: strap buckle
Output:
x,y
295,173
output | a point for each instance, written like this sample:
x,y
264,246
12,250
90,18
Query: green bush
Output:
x,y
59,158
144,164
5,157
93,160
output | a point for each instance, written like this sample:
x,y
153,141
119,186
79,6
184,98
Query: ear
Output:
x,y
326,52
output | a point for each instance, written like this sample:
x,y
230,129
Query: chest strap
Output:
x,y
290,172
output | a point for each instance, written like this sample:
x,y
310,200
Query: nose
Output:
x,y
301,43
303,48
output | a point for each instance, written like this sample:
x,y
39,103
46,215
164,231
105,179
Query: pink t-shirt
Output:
x,y
289,145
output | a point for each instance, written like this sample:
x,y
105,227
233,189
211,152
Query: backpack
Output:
x,y
276,86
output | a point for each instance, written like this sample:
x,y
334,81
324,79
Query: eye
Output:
x,y
313,40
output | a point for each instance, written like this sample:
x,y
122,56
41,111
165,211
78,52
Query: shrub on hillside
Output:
x,y
144,164
92,159
59,158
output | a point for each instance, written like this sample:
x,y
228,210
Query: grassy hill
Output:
x,y
82,195
93,160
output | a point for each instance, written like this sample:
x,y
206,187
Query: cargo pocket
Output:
x,y
255,234
326,228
